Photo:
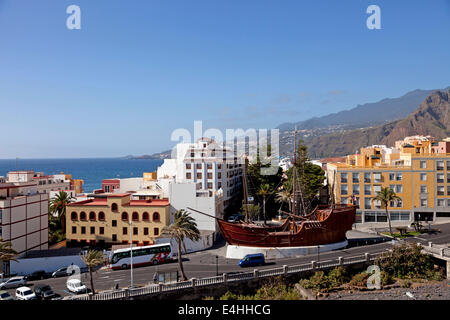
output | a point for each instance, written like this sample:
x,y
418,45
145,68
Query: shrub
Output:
x,y
337,277
318,281
360,279
407,262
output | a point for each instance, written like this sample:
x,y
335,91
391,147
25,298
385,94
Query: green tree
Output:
x,y
310,177
386,195
92,259
253,210
264,191
285,194
6,252
58,205
183,226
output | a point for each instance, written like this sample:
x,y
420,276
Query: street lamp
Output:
x,y
131,251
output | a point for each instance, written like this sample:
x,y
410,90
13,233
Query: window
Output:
x,y
440,165
188,175
440,190
92,216
114,223
156,217
135,231
210,185
145,216
82,215
124,230
344,189
423,177
219,166
74,216
399,176
114,237
356,189
377,204
367,177
114,207
367,190
156,231
145,231
83,230
399,203
209,175
423,189
198,165
209,166
101,216
399,188
423,164
440,178
102,230
124,216
343,177
377,177
392,176
135,216
74,230
367,203
424,203
188,166
448,165
106,188
92,230
440,202
219,185
344,200
355,177
376,189
392,187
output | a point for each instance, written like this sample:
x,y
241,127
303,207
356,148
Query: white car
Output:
x,y
76,286
13,282
25,293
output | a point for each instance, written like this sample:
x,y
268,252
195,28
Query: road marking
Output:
x,y
104,277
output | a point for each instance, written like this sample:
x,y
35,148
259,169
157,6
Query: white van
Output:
x,y
76,286
25,293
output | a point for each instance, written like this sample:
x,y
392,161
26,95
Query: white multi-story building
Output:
x,y
207,164
23,216
44,183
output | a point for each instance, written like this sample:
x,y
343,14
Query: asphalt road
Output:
x,y
203,264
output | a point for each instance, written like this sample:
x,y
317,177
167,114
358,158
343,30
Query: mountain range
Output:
x,y
432,117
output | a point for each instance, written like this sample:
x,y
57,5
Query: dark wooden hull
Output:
x,y
329,226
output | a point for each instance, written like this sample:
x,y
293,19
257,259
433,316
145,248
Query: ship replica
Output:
x,y
324,225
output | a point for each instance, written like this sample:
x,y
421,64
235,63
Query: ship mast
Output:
x,y
294,172
244,182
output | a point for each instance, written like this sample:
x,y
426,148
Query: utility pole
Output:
x,y
131,251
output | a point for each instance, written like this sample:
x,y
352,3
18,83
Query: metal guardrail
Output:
x,y
244,276
235,277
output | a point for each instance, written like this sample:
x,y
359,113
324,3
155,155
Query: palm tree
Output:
x,y
386,195
285,195
58,205
92,259
264,191
183,226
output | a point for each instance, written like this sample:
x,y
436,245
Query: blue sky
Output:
x,y
139,69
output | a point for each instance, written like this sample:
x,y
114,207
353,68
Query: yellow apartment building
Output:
x,y
413,169
104,220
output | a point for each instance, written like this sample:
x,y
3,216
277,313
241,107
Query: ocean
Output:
x,y
92,171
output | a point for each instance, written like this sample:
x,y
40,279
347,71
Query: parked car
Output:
x,y
13,282
37,275
4,295
61,272
234,218
76,286
25,293
252,260
44,292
